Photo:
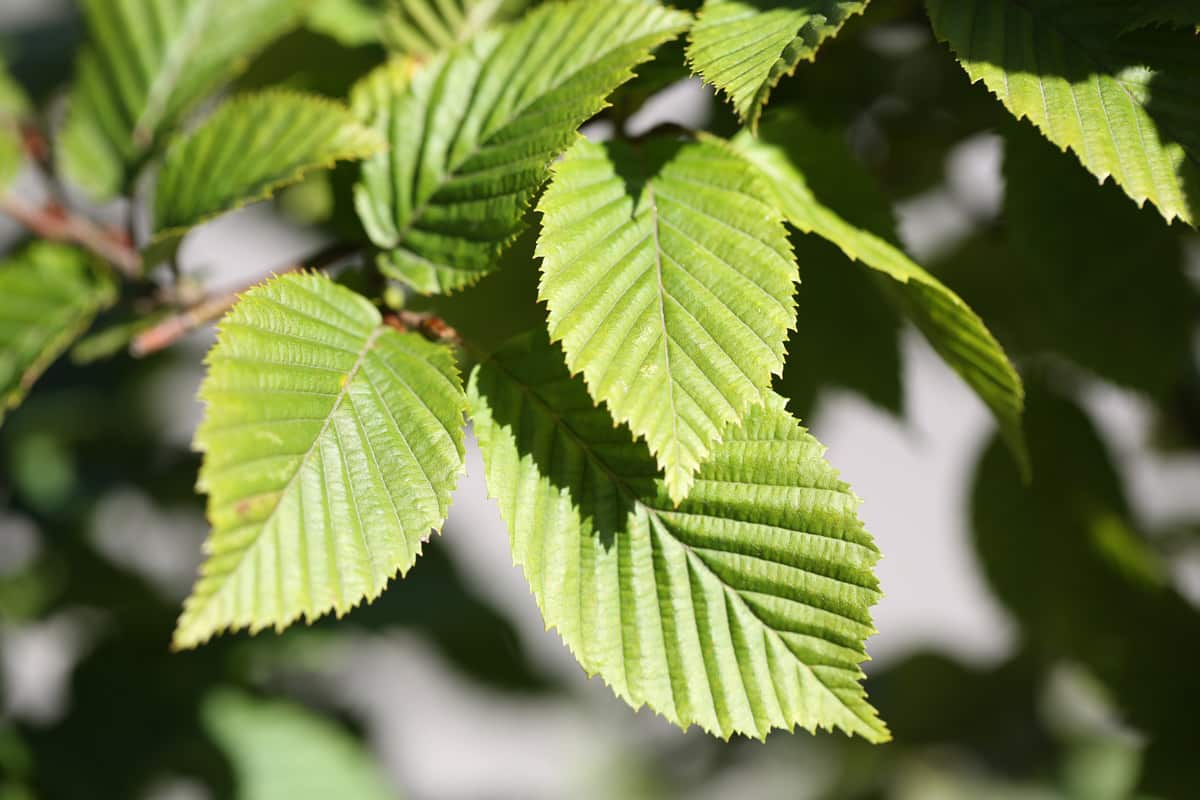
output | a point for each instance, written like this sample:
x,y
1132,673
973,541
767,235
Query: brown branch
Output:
x,y
170,330
54,222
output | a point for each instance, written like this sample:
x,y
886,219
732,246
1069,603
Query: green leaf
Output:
x,y
331,444
951,327
49,295
14,107
670,284
352,23
744,47
1127,105
741,610
146,64
281,751
424,28
474,132
252,146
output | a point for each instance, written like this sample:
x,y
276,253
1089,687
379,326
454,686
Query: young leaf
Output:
x,y
146,64
331,444
250,147
423,28
49,295
741,610
351,23
952,328
744,47
472,135
14,106
1127,105
670,284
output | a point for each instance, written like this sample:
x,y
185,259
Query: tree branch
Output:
x,y
58,224
170,330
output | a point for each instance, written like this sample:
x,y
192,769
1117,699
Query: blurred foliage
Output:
x,y
1093,704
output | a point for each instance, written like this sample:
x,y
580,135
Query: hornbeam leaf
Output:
x,y
146,64
951,327
1126,104
473,133
250,147
49,295
741,610
744,47
422,28
670,283
331,444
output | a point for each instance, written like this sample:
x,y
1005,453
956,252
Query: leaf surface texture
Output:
x,y
331,444
1127,104
670,283
741,610
472,135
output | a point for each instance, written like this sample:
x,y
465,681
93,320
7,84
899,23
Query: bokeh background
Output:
x,y
1034,642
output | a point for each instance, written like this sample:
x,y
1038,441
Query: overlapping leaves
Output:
x,y
744,47
49,295
952,328
473,133
146,63
743,609
250,147
1126,102
670,284
331,445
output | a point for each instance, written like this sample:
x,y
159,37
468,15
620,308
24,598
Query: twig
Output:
x,y
55,222
427,324
165,333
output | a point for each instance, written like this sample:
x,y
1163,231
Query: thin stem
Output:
x,y
58,224
170,330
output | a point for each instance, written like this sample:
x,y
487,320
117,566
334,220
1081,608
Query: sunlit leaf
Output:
x,y
331,444
743,609
670,283
473,134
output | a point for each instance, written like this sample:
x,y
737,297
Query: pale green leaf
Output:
x,y
49,295
352,23
472,136
331,444
1127,105
744,609
951,327
14,107
423,28
670,283
744,47
145,65
281,751
250,147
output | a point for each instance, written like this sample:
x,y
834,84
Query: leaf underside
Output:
x,y
670,284
1127,104
146,64
742,610
252,146
331,445
49,295
472,135
953,330
744,47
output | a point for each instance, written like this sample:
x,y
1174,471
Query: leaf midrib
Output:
x,y
343,393
653,513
